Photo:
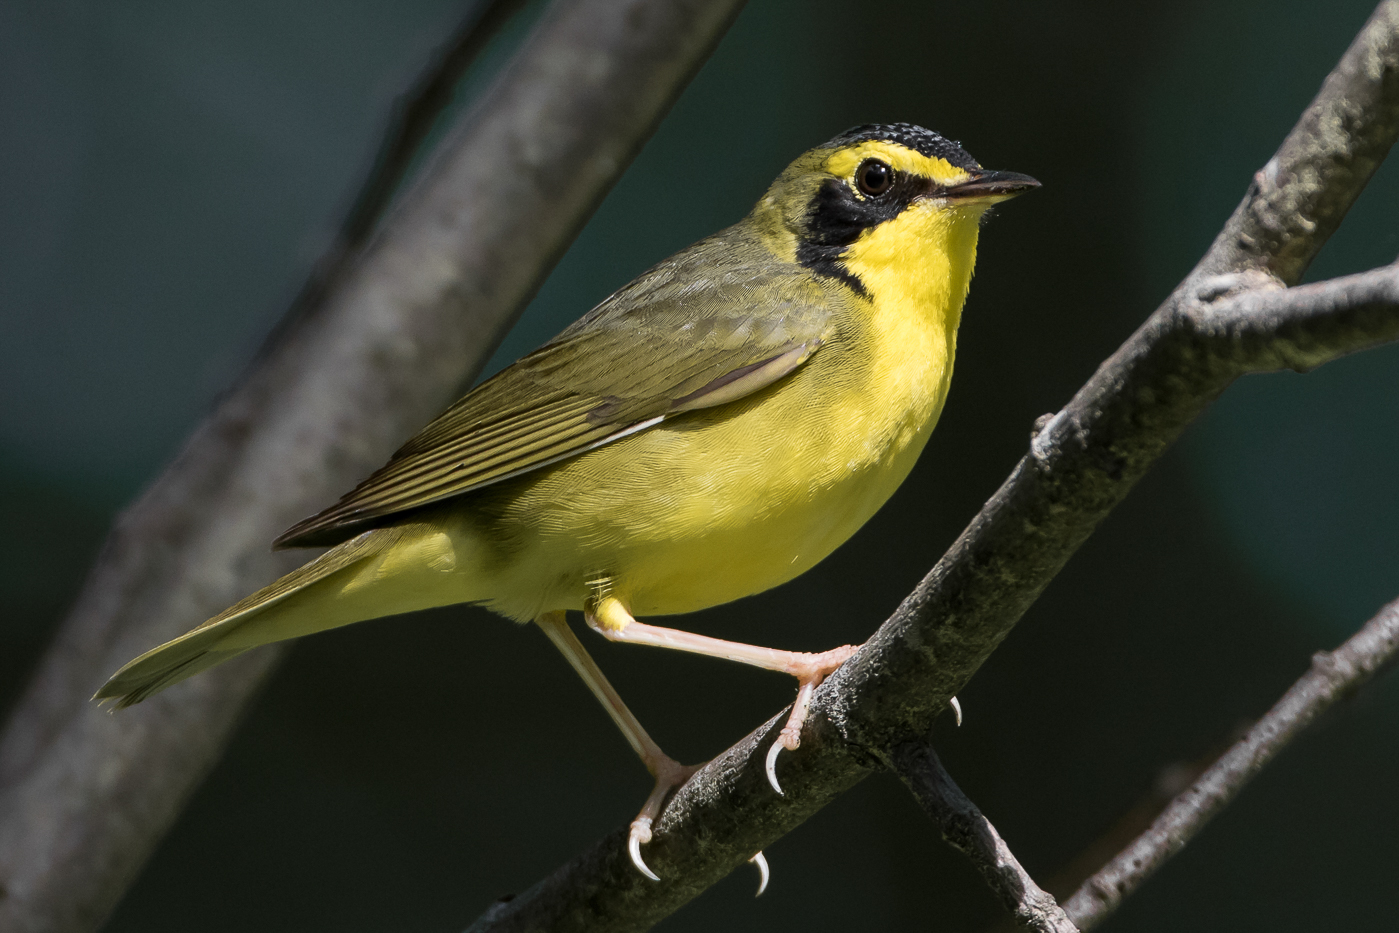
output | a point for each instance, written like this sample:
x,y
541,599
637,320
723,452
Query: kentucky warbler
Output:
x,y
714,428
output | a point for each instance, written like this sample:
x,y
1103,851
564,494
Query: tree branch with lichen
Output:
x,y
966,829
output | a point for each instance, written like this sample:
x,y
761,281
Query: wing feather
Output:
x,y
691,333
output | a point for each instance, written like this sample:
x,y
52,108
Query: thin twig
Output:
x,y
1170,780
1333,675
968,831
1082,463
85,796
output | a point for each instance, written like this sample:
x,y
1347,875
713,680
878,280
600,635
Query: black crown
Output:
x,y
920,140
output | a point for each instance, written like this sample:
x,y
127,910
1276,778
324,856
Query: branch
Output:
x,y
1266,329
1082,463
1333,675
85,796
1170,780
966,829
1299,198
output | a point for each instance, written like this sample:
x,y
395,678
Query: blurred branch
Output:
x,y
412,118
85,796
968,831
1333,675
1082,462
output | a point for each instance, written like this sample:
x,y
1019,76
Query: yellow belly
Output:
x,y
717,505
722,503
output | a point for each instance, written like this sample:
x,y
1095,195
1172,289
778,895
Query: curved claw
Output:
x,y
956,708
763,874
772,767
639,829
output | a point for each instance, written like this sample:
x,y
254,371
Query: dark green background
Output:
x,y
168,171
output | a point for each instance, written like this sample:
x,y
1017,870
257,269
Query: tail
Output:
x,y
345,584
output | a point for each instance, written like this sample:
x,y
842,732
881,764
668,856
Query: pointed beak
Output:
x,y
990,187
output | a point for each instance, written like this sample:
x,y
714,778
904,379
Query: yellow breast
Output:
x,y
726,502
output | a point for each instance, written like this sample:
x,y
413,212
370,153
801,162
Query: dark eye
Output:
x,y
874,177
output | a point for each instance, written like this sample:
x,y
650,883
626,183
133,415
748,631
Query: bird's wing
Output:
x,y
675,340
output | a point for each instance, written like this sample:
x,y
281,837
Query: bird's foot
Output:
x,y
670,775
764,873
811,670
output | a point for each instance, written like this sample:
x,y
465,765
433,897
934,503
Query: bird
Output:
x,y
712,429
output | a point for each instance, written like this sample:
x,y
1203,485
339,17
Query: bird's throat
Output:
x,y
916,269
920,263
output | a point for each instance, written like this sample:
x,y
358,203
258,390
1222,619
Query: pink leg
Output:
x,y
612,620
668,772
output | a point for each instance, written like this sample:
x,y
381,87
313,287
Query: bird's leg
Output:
x,y
668,772
611,619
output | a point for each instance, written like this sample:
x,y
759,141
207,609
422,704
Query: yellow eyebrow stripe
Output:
x,y
842,164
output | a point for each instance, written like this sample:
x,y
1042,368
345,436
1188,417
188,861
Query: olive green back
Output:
x,y
684,328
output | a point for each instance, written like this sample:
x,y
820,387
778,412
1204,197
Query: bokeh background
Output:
x,y
169,170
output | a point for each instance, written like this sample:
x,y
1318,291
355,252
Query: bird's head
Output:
x,y
883,193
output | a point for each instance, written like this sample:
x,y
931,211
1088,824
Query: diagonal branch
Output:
x,y
1333,675
1082,462
84,796
968,830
